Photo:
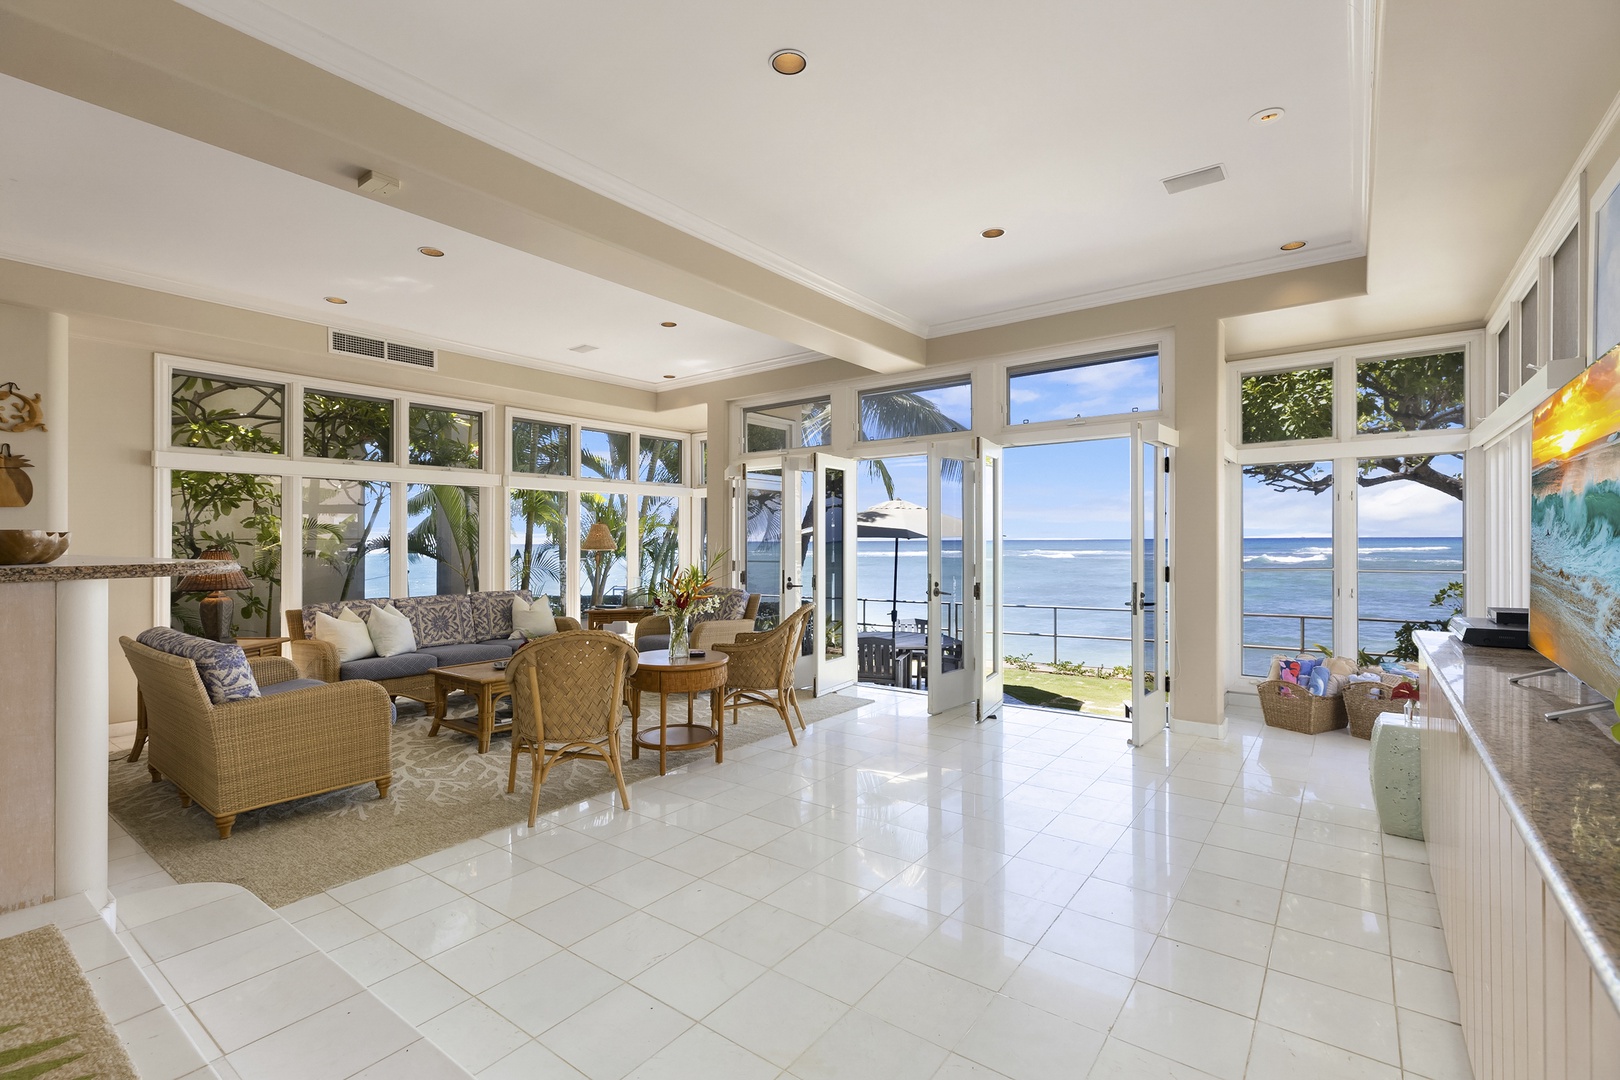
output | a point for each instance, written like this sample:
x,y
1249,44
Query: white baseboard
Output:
x,y
1202,730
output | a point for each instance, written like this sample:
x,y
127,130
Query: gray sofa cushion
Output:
x,y
733,602
472,654
649,642
286,686
389,667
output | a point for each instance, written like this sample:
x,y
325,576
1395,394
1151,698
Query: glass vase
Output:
x,y
678,647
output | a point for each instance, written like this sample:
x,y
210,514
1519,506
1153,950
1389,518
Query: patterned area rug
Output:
x,y
444,793
50,1024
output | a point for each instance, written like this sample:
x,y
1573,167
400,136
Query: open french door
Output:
x,y
1152,448
790,518
964,661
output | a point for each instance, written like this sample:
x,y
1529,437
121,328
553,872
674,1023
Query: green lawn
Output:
x,y
1077,693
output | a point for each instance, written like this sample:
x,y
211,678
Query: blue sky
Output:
x,y
1082,491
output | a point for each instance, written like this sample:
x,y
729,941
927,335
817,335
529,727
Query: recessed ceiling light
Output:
x,y
666,324
334,300
1266,116
431,252
991,234
1293,245
788,61
583,348
669,376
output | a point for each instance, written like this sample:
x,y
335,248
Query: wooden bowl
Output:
x,y
21,547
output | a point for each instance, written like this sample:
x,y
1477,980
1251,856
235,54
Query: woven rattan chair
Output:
x,y
760,669
256,752
567,690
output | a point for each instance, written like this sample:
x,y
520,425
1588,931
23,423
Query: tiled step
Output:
x,y
260,999
158,1046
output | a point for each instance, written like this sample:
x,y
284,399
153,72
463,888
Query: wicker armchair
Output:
x,y
567,690
256,752
706,631
760,671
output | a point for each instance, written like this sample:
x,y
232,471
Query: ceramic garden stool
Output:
x,y
1396,781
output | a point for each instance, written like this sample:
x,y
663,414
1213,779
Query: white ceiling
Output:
x,y
95,192
871,175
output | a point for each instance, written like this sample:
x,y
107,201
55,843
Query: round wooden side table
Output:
x,y
658,674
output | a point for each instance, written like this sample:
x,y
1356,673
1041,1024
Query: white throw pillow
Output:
x,y
391,632
348,632
532,620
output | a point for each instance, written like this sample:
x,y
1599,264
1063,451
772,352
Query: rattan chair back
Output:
x,y
766,663
569,687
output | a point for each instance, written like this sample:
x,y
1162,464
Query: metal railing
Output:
x,y
1300,645
954,620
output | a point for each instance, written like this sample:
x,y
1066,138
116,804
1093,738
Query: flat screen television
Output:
x,y
1575,527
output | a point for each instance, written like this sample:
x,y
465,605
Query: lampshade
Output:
x,y
221,580
598,539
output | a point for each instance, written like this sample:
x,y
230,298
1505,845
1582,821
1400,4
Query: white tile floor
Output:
x,y
907,897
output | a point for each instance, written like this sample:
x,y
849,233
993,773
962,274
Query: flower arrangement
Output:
x,y
682,595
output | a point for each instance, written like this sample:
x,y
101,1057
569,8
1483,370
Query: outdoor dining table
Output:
x,y
907,644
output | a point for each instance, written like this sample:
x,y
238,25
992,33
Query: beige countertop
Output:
x,y
93,567
1560,780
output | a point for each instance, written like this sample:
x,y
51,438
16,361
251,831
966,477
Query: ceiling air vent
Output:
x,y
1195,179
346,344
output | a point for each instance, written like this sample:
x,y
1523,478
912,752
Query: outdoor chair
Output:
x,y
760,671
300,738
567,690
879,662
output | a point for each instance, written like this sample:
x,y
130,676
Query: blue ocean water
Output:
x,y
1079,589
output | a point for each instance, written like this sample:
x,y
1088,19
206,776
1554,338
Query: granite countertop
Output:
x,y
1560,780
93,567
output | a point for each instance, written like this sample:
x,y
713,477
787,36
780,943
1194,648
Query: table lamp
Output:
x,y
216,606
598,541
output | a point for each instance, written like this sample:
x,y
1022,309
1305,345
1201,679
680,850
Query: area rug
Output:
x,y
51,1026
444,793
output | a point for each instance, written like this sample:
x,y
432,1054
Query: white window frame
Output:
x,y
1344,450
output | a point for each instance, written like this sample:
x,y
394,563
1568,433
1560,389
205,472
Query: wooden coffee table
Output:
x,y
598,618
485,684
658,674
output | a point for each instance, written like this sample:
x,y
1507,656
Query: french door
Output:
x,y
790,518
1152,448
964,654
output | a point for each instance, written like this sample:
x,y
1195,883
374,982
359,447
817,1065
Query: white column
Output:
x,y
81,739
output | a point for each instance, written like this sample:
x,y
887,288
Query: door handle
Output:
x,y
936,588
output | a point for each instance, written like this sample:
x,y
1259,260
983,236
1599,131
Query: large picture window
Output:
x,y
442,544
1287,561
1409,549
346,539
539,545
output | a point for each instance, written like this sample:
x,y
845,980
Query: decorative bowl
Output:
x,y
21,547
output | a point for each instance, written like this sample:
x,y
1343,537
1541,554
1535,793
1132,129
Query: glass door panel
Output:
x,y
986,592
951,472
760,526
1150,457
833,573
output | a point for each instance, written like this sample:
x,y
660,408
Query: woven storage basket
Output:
x,y
1300,710
1363,709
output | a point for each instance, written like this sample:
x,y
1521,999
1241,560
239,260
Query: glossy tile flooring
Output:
x,y
911,897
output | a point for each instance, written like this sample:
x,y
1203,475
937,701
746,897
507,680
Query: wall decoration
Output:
x,y
15,487
19,412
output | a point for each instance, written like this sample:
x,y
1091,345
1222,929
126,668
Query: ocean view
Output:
x,y
1088,583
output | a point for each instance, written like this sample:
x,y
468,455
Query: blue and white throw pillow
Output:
x,y
224,668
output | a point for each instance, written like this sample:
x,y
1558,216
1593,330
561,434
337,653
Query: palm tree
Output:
x,y
448,533
535,565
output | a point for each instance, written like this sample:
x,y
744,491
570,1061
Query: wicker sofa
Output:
x,y
301,738
735,614
461,629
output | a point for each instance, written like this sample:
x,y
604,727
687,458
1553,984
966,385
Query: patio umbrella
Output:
x,y
896,519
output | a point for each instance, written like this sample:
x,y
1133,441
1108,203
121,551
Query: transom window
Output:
x,y
907,412
1084,387
781,427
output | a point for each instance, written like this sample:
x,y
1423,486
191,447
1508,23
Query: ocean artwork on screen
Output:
x,y
1575,527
